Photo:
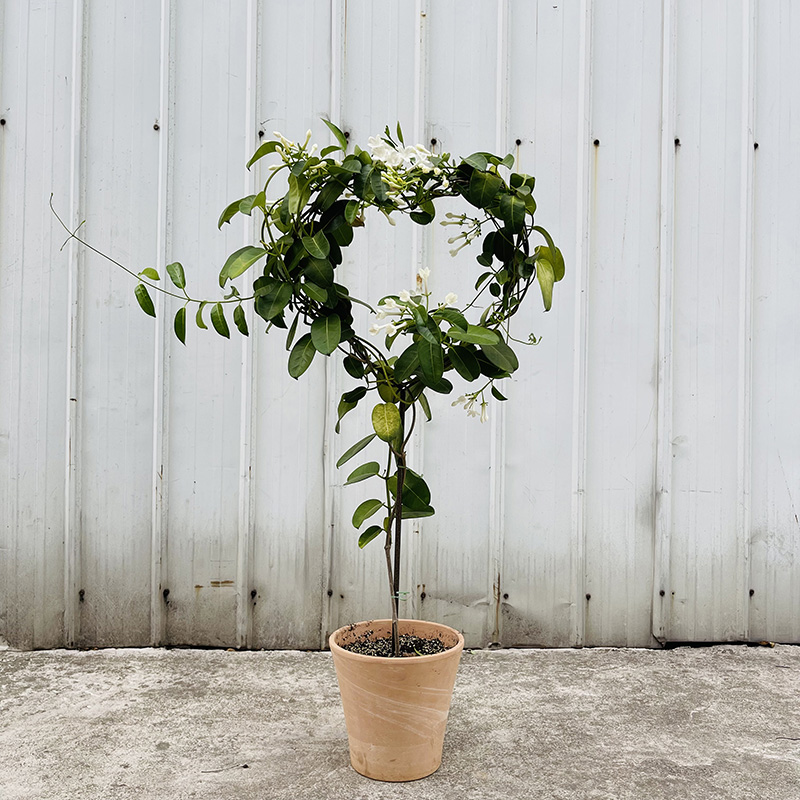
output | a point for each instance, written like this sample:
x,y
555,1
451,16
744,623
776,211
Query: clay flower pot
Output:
x,y
396,708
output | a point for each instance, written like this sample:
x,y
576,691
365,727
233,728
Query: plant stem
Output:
x,y
400,460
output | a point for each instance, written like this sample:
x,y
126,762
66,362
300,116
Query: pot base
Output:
x,y
396,708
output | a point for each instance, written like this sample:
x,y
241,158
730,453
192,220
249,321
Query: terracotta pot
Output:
x,y
396,708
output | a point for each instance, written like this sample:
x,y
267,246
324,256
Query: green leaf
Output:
x,y
386,421
229,213
512,212
219,322
150,273
355,449
496,394
265,149
292,331
240,321
452,316
369,534
442,386
508,161
365,511
555,257
546,278
176,274
465,363
474,334
431,360
301,356
412,514
378,186
501,355
407,363
317,246
180,325
368,470
199,316
416,494
477,160
271,304
426,327
350,211
340,137
423,401
240,262
354,368
325,333
144,299
315,292
483,188
319,271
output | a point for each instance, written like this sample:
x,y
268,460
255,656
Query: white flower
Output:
x,y
455,250
422,279
382,151
283,140
387,327
484,413
308,137
458,401
450,299
405,296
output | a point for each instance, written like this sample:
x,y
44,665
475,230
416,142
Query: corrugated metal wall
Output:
x,y
643,482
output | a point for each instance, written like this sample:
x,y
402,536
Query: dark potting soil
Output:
x,y
409,646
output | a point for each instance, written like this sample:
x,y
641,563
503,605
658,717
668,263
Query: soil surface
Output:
x,y
409,646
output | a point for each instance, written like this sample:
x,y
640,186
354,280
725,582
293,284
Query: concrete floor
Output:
x,y
720,722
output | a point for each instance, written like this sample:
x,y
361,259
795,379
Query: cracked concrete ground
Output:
x,y
720,722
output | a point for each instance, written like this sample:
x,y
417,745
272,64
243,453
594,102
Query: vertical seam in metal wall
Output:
x,y
420,244
745,355
337,23
72,526
580,365
662,523
497,450
160,355
244,605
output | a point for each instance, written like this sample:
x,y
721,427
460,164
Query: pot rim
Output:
x,y
456,649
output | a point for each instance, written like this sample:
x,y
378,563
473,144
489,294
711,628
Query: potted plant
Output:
x,y
396,676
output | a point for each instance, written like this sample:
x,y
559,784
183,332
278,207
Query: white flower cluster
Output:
x,y
405,157
392,308
469,401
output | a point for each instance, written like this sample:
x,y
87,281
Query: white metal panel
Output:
x,y
539,574
288,566
775,552
622,322
706,540
649,445
35,147
119,166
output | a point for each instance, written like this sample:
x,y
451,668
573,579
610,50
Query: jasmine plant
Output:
x,y
416,342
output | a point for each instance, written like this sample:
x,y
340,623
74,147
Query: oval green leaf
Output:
x,y
240,262
501,355
386,421
431,360
465,363
326,333
369,534
474,334
180,325
198,317
219,322
301,356
365,511
355,449
144,299
368,470
176,274
240,320
317,246
150,273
